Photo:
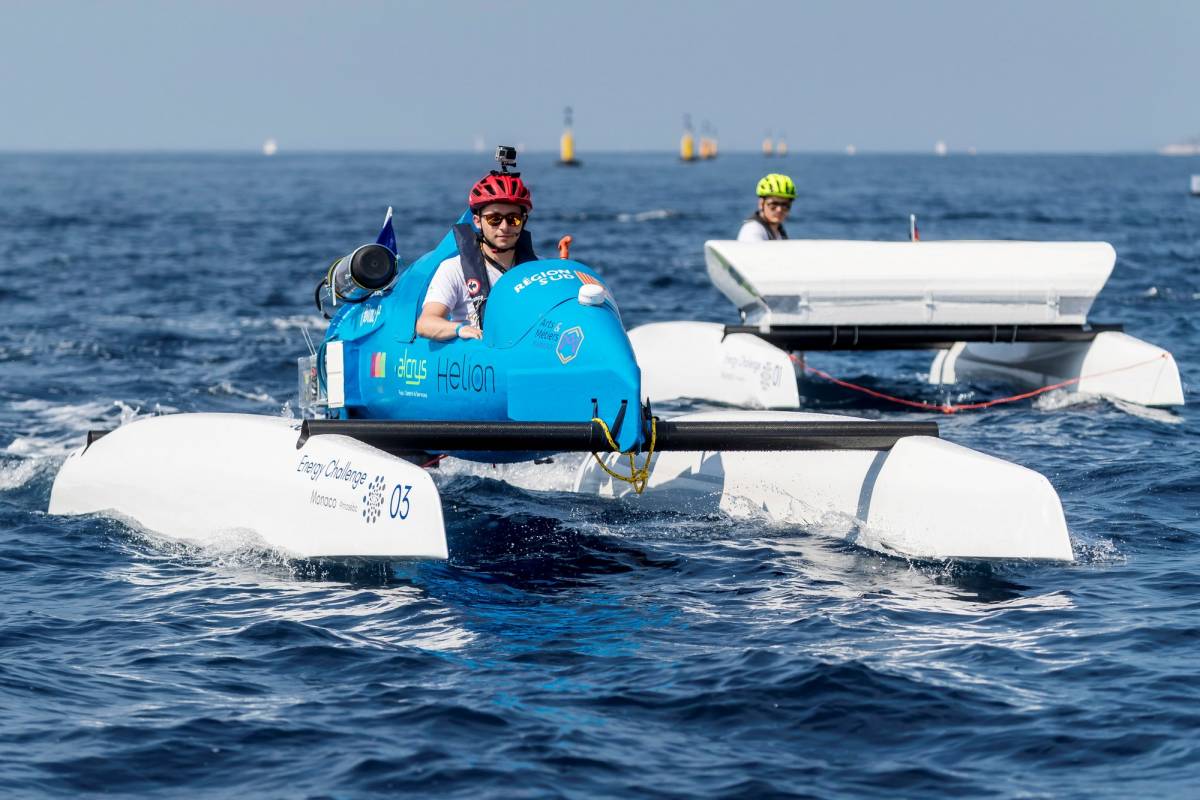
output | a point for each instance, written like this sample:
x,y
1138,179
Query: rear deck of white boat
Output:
x,y
1016,311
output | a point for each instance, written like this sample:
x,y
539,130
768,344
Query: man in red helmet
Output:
x,y
454,304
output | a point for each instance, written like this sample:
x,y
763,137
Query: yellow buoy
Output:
x,y
566,144
687,143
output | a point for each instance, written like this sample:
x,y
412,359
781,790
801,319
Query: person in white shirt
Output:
x,y
457,295
775,195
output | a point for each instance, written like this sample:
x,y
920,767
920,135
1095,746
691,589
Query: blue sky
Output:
x,y
375,75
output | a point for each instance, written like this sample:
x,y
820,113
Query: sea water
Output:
x,y
573,647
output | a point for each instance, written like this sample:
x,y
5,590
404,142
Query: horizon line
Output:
x,y
254,151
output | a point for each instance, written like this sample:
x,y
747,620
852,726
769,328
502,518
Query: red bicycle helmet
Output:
x,y
500,187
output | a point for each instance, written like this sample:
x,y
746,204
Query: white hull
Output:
x,y
695,359
200,477
1112,365
925,498
692,360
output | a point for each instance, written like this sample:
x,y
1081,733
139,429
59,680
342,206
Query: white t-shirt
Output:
x,y
753,231
448,287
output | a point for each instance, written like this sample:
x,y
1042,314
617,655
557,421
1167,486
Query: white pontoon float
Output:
x,y
1014,311
338,488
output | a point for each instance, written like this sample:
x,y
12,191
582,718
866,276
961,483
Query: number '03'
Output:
x,y
399,506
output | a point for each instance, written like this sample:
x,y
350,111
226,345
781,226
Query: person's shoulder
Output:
x,y
751,231
446,281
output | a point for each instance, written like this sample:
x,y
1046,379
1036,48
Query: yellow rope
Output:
x,y
638,477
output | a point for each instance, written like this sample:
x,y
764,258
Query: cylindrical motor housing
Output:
x,y
370,268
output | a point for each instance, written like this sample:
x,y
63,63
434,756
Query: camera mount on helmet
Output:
x,y
506,155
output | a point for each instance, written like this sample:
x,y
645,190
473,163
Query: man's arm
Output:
x,y
445,291
432,324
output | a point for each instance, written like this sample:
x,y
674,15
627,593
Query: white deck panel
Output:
x,y
831,282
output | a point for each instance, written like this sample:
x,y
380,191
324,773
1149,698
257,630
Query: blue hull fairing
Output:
x,y
545,357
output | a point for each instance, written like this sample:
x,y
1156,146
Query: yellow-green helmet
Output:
x,y
776,185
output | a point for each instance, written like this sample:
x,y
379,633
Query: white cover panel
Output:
x,y
829,282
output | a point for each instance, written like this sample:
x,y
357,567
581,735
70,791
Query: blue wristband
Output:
x,y
458,330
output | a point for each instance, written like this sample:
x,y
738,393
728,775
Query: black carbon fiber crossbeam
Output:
x,y
914,337
588,437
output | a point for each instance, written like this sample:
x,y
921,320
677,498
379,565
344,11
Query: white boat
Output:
x,y
1011,310
201,477
1190,147
270,147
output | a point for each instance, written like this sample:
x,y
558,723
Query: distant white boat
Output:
x,y
270,147
1188,148
1196,185
940,148
851,150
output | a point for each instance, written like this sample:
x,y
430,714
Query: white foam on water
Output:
x,y
227,388
1161,415
648,216
1098,552
312,322
556,475
1063,398
16,474
53,430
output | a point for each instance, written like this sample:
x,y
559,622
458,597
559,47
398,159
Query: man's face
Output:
x,y
774,209
501,223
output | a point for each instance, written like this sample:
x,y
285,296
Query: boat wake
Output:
x,y
1061,399
244,554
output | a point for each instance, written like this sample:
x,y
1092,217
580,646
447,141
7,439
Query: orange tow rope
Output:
x,y
952,408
